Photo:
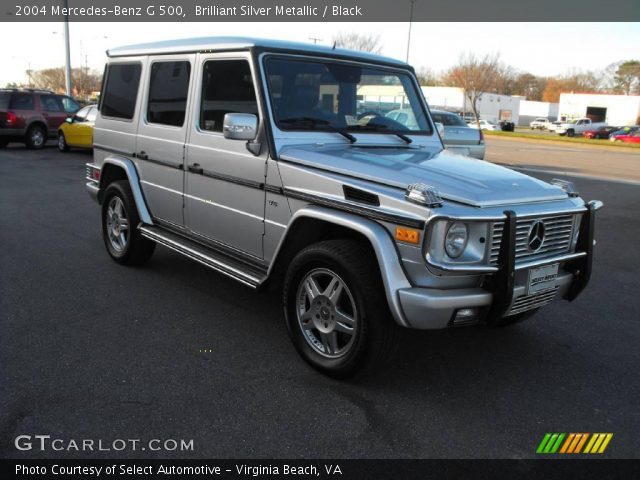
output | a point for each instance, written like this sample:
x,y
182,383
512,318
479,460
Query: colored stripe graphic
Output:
x,y
550,443
597,443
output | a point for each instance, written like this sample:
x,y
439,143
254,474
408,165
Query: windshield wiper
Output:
x,y
382,128
317,124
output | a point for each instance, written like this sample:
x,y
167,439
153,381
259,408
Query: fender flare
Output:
x,y
389,263
134,182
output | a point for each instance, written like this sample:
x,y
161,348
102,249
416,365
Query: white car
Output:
x,y
553,126
485,125
540,123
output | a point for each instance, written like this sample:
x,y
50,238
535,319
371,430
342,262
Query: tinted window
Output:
x,y
448,119
51,103
69,104
21,101
121,91
5,97
227,87
168,90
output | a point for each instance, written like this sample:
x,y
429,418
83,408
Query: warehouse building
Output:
x,y
612,109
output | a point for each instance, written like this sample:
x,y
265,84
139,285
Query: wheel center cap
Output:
x,y
324,313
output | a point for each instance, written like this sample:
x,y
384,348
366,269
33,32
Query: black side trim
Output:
x,y
356,209
274,189
360,196
232,179
503,281
164,163
114,150
581,267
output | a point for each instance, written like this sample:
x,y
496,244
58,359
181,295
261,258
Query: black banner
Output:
x,y
323,469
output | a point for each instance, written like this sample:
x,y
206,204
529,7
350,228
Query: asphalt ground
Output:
x,y
93,350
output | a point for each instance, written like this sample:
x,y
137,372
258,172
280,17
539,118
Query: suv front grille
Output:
x,y
557,237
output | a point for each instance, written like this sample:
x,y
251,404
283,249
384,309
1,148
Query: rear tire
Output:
x,y
120,222
336,310
62,143
36,137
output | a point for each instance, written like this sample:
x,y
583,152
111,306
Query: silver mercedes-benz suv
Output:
x,y
276,164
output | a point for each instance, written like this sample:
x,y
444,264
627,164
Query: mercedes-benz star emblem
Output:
x,y
536,236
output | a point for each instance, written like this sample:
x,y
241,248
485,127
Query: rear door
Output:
x,y
53,111
162,134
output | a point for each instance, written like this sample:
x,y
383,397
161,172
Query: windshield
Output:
x,y
334,96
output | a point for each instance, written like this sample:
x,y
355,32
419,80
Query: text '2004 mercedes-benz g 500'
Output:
x,y
275,164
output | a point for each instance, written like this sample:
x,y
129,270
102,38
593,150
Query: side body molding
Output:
x,y
134,182
393,276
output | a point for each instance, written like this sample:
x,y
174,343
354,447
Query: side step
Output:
x,y
215,260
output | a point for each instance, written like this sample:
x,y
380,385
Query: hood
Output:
x,y
457,178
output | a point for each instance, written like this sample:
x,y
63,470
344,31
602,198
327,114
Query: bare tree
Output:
x,y
358,41
427,77
627,77
83,79
475,75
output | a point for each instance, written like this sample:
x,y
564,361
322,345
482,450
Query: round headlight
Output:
x,y
456,239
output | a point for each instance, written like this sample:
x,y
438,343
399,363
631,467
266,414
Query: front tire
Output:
x,y
120,222
336,310
570,133
62,143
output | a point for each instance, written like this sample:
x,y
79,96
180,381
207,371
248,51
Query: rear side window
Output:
x,y
121,91
227,87
51,103
168,91
5,98
21,101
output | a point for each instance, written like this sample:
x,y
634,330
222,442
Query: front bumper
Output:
x,y
505,292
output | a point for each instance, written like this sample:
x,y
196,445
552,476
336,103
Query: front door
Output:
x,y
224,187
162,133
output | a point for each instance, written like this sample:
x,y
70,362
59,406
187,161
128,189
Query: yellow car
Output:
x,y
77,131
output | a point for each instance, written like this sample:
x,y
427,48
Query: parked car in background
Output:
x,y
624,132
485,125
540,123
578,127
32,116
507,126
553,126
631,138
458,136
600,132
77,130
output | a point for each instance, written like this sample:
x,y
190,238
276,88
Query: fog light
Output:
x,y
466,316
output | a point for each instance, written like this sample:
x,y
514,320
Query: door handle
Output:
x,y
196,168
143,155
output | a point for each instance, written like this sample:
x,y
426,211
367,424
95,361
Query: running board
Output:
x,y
219,262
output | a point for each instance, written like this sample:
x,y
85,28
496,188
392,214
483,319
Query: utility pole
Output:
x,y
315,39
410,22
67,50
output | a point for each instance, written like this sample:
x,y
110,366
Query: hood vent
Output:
x,y
360,196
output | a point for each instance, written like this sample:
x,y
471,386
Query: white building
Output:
x,y
530,110
491,106
613,109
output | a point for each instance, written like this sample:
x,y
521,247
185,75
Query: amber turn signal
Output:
x,y
407,235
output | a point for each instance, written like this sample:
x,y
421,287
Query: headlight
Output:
x,y
456,239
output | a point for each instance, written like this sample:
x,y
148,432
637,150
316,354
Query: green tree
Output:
x,y
627,77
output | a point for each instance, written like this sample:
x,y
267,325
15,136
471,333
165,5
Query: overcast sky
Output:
x,y
539,48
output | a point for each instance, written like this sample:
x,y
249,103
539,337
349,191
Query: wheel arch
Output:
x,y
116,167
312,224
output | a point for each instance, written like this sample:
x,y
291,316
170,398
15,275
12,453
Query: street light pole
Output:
x,y
410,22
67,50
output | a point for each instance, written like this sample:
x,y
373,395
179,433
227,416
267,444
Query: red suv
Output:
x,y
32,116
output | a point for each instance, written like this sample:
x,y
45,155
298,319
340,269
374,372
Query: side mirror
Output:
x,y
69,119
440,128
240,126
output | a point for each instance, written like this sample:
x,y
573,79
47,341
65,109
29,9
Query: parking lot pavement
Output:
x,y
614,163
90,349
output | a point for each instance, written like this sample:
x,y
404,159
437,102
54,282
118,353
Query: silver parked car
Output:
x,y
458,136
274,163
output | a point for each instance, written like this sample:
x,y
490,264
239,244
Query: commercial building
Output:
x,y
613,109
